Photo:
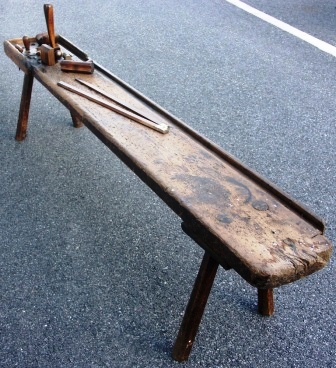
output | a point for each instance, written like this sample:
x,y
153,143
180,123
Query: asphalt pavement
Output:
x,y
95,270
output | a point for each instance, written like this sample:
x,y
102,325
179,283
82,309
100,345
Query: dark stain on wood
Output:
x,y
208,188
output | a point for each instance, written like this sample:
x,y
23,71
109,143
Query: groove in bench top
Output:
x,y
243,222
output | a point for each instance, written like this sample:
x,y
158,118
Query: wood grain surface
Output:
x,y
243,224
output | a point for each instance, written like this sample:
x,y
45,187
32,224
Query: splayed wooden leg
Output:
x,y
265,302
76,120
21,130
195,308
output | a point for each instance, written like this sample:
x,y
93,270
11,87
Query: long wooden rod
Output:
x,y
162,128
114,99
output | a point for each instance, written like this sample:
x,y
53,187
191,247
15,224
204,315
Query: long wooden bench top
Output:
x,y
242,220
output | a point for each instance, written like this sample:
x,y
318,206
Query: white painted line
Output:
x,y
324,46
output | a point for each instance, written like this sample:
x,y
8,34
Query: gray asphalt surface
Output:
x,y
318,18
94,269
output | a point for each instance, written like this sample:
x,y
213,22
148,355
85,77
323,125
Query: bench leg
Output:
x,y
76,120
265,302
21,130
195,308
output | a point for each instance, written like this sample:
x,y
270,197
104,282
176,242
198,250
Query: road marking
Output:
x,y
324,46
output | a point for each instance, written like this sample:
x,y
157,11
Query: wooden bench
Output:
x,y
241,220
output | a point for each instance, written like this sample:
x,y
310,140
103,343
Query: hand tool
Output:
x,y
30,48
113,99
49,17
50,53
77,66
26,42
42,38
162,128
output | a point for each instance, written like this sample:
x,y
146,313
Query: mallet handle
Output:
x,y
49,16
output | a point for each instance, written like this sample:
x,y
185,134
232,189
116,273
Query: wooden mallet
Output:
x,y
50,53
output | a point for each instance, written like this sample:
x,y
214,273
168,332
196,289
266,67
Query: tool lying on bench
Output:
x,y
131,114
49,52
241,220
113,99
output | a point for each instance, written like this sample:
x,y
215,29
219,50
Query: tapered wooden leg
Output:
x,y
195,308
265,302
21,130
76,120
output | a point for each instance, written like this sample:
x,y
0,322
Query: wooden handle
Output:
x,y
49,16
26,42
77,66
42,38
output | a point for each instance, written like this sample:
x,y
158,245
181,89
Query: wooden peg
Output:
x,y
26,42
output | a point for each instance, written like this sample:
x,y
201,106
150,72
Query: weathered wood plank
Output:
x,y
245,223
